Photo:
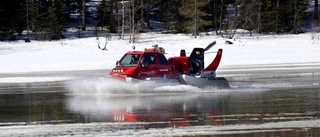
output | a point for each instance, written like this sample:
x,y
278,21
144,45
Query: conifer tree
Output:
x,y
51,23
193,12
281,16
31,8
217,10
54,26
11,21
106,16
296,15
316,12
249,14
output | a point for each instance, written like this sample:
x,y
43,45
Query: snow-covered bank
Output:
x,y
84,54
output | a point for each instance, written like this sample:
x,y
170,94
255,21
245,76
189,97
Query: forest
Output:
x,y
51,19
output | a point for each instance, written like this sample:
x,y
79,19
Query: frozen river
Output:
x,y
264,100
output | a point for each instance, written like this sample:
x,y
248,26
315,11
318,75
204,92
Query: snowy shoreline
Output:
x,y
83,54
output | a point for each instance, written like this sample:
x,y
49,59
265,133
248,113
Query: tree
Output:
x,y
217,10
179,19
316,12
123,19
296,15
31,8
193,12
57,19
231,20
106,16
11,21
282,16
84,24
48,21
249,10
136,21
165,12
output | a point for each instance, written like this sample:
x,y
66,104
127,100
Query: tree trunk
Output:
x,y
221,16
122,31
259,17
277,18
83,15
131,24
118,19
316,12
195,19
215,12
295,20
147,14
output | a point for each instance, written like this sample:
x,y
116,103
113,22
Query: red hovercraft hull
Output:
x,y
152,64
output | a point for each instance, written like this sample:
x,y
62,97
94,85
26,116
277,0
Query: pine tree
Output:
x,y
316,12
193,12
31,9
217,10
50,22
106,16
179,19
249,13
54,27
165,12
296,15
10,19
282,16
102,10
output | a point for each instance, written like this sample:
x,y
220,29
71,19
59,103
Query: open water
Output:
x,y
266,100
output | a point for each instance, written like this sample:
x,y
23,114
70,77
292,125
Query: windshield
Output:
x,y
129,60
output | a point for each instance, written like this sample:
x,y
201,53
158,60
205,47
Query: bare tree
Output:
x,y
132,21
230,22
135,6
123,20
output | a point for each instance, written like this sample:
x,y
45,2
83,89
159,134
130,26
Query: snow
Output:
x,y
83,53
73,54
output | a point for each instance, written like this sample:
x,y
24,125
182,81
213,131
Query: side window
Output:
x,y
126,60
129,60
163,60
153,60
149,59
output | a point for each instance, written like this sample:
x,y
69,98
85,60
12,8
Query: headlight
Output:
x,y
118,70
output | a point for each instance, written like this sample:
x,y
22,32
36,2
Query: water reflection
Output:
x,y
166,110
185,109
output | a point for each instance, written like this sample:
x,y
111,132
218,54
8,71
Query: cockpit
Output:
x,y
129,60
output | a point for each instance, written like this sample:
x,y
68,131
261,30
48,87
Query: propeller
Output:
x,y
210,45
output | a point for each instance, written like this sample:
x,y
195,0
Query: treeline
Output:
x,y
48,19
